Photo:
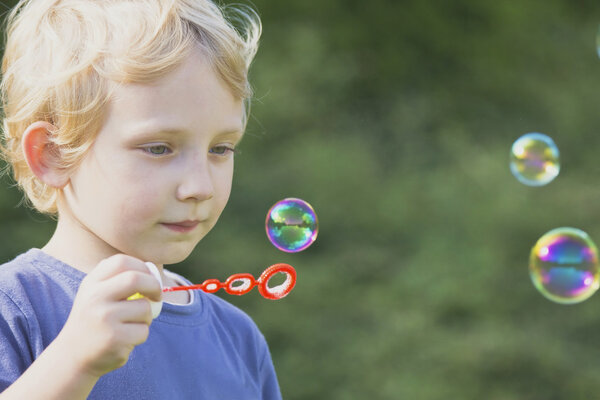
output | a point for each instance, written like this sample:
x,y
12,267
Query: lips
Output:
x,y
182,226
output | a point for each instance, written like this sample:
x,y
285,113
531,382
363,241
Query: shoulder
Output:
x,y
36,266
239,325
18,273
16,283
24,307
237,328
20,260
228,313
34,277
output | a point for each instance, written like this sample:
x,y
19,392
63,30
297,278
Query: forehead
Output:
x,y
190,97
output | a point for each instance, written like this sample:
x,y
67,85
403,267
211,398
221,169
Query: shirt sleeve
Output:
x,y
15,352
270,386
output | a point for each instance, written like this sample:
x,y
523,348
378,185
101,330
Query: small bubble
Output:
x,y
534,159
598,42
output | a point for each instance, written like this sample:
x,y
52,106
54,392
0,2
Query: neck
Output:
x,y
72,248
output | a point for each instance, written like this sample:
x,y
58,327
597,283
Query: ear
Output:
x,y
42,156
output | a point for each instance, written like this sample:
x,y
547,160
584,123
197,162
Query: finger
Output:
x,y
115,265
135,333
127,283
134,311
156,306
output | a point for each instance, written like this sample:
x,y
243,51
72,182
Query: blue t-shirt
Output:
x,y
207,349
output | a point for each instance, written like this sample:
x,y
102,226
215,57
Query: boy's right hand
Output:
x,y
103,326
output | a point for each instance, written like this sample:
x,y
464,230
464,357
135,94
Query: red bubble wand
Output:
x,y
239,284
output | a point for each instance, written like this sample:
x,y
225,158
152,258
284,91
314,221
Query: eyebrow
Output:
x,y
235,132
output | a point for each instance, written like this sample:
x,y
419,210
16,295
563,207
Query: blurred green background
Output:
x,y
394,119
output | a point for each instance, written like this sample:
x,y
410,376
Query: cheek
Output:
x,y
139,201
223,186
130,196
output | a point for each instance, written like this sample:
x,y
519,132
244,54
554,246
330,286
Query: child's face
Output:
x,y
150,193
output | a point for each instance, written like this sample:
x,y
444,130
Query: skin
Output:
x,y
125,204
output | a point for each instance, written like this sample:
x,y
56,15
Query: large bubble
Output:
x,y
292,225
563,266
534,159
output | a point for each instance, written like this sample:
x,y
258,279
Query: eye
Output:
x,y
157,150
222,150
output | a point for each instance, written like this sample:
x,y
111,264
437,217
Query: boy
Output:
x,y
122,117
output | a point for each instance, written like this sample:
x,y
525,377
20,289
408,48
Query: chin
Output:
x,y
169,256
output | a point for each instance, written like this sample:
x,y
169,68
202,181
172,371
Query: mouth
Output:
x,y
182,226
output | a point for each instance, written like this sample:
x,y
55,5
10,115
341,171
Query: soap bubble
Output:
x,y
563,266
292,225
534,159
598,42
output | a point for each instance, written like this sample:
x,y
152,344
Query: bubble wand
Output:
x,y
239,284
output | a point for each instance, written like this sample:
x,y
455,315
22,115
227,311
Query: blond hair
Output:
x,y
62,55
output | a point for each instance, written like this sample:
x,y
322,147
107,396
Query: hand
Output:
x,y
103,326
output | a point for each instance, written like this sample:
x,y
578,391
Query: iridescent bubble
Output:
x,y
534,159
598,42
292,225
563,266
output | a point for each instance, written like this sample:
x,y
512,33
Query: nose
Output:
x,y
196,181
